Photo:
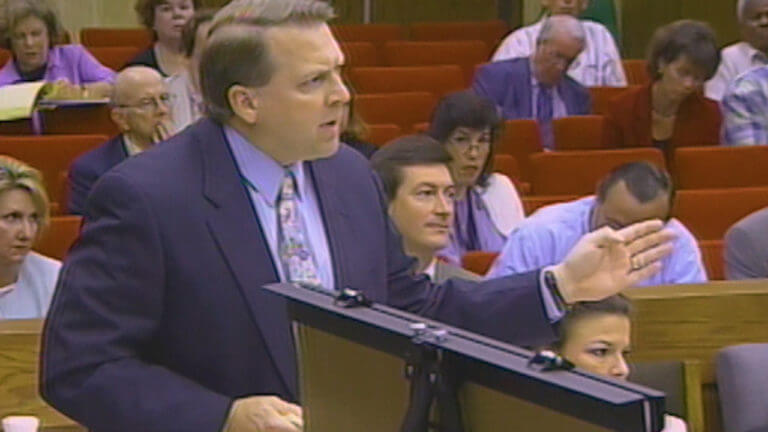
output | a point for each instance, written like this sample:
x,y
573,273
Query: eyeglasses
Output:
x,y
152,104
465,145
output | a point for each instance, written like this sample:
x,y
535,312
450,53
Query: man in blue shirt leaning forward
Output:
x,y
631,193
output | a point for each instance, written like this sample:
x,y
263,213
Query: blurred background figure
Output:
x,y
595,336
747,54
141,107
488,206
34,35
166,19
746,247
354,131
420,192
27,279
185,86
671,111
599,64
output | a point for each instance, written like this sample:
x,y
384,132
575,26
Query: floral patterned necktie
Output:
x,y
299,265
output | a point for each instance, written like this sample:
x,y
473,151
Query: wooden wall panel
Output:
x,y
405,11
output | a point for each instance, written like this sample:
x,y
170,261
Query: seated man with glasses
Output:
x,y
141,107
538,87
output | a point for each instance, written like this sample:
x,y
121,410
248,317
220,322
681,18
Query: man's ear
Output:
x,y
243,104
118,116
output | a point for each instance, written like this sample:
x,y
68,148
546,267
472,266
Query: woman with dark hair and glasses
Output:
x,y
595,337
488,206
671,111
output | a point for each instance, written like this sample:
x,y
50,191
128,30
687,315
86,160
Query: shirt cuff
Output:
x,y
554,312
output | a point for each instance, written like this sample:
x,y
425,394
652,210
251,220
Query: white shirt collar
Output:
x,y
130,147
431,268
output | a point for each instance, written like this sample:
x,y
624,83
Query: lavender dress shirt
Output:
x,y
68,62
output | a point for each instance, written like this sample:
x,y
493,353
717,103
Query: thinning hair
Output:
x,y
410,150
561,24
15,174
644,180
616,305
237,51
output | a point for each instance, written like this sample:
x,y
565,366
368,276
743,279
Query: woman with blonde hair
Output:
x,y
27,279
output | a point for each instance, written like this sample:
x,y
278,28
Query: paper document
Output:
x,y
17,101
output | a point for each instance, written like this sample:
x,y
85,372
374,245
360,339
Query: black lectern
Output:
x,y
354,363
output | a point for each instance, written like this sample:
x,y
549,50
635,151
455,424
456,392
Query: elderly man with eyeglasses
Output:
x,y
141,108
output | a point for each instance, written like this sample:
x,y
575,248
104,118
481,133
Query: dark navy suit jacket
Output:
x,y
508,84
87,168
159,321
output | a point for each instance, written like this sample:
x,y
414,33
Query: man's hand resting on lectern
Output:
x,y
264,414
605,262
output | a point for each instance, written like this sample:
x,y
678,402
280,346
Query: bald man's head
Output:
x,y
140,104
560,41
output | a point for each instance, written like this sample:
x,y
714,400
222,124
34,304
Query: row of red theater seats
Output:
x,y
539,174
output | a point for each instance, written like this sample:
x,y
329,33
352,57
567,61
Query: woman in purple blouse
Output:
x,y
488,206
32,34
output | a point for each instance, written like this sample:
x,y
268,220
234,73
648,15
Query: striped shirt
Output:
x,y
734,60
598,65
745,109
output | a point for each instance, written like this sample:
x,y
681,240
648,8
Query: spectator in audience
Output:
x,y
537,87
671,110
746,247
420,192
745,110
488,206
747,54
595,336
27,279
599,64
160,322
166,19
141,108
631,193
185,86
354,130
33,34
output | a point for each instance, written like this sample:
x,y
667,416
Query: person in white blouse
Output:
x,y
27,279
599,64
745,55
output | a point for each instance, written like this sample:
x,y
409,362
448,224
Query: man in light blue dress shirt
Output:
x,y
632,193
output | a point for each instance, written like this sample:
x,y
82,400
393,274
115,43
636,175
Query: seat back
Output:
x,y
585,132
380,134
681,383
360,54
115,37
59,237
378,34
578,172
438,80
403,109
708,213
5,55
80,120
466,53
507,165
721,167
478,262
602,98
520,139
532,203
741,384
490,32
714,261
636,71
51,155
114,57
